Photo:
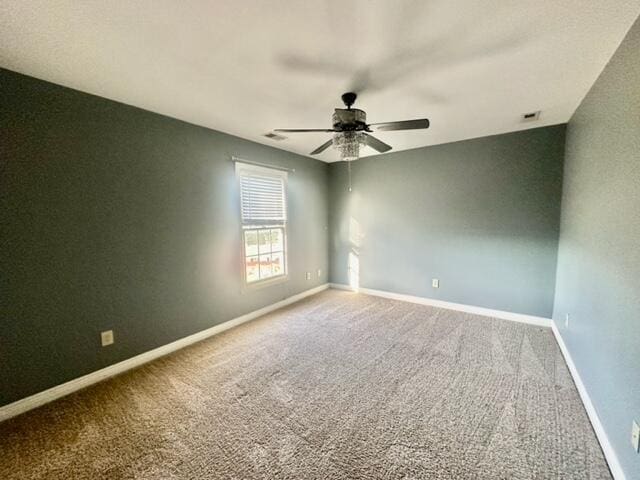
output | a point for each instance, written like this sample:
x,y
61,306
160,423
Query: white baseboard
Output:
x,y
46,396
607,448
485,312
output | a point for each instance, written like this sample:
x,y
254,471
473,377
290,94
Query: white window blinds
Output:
x,y
262,195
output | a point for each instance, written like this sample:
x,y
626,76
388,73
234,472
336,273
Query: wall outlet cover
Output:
x,y
106,337
319,273
635,436
308,275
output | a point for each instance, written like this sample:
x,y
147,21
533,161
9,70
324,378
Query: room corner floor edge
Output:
x,y
46,396
485,312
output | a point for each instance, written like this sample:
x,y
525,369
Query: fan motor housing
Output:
x,y
347,119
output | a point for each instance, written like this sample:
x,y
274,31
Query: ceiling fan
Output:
x,y
351,130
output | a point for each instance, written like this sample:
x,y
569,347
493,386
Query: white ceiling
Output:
x,y
247,66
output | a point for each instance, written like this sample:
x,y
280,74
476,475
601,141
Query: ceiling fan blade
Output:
x,y
376,144
322,148
403,125
303,130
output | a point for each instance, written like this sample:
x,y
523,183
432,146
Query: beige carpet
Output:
x,y
339,386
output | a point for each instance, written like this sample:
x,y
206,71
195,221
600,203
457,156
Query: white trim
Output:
x,y
485,312
46,396
601,434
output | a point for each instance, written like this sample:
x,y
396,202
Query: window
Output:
x,y
264,222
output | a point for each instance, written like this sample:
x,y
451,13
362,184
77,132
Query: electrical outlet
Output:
x,y
308,275
635,436
566,321
435,283
106,337
319,273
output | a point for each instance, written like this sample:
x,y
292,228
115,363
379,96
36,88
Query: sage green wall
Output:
x,y
598,281
117,218
481,215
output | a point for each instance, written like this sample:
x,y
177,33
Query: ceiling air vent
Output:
x,y
275,136
531,116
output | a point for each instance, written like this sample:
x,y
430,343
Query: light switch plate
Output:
x,y
308,275
106,337
635,436
435,283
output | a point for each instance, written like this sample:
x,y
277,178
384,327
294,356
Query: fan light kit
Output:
x,y
348,144
351,130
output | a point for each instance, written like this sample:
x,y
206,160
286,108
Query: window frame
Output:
x,y
241,168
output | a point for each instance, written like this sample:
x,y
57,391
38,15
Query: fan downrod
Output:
x,y
349,99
